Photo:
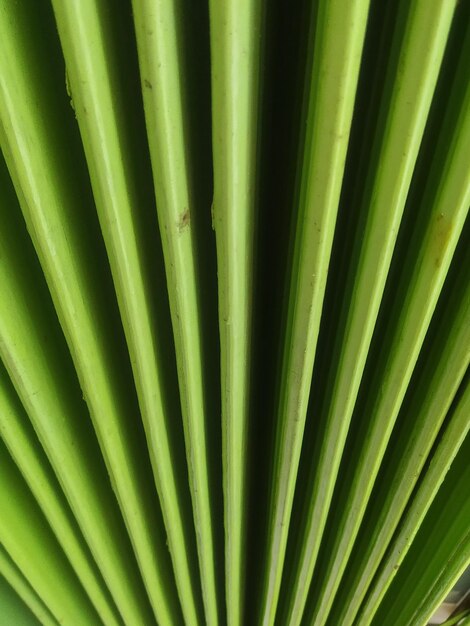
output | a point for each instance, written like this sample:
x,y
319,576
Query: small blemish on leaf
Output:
x,y
442,233
183,221
147,84
212,216
69,89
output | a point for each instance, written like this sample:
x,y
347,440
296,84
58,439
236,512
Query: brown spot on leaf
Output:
x,y
183,221
442,234
147,84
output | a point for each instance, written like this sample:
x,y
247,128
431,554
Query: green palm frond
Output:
x,y
234,311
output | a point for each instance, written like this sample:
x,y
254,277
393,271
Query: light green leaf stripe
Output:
x,y
52,211
420,58
21,441
440,552
447,217
236,40
20,585
35,356
445,453
339,36
16,429
427,415
159,39
95,93
428,410
38,555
